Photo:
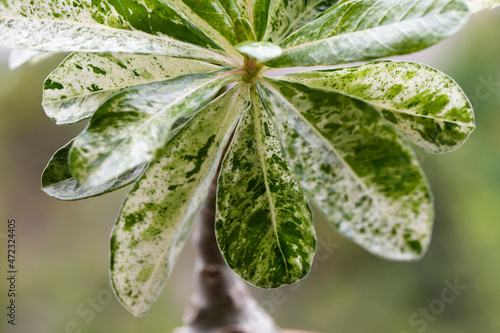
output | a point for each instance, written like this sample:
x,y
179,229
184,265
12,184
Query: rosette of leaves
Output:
x,y
149,74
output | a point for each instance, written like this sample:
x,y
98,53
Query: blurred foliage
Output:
x,y
63,246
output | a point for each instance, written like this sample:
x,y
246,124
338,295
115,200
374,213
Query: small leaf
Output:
x,y
126,26
286,16
354,30
59,183
132,126
422,103
83,82
479,5
158,213
243,30
261,51
264,224
220,15
354,167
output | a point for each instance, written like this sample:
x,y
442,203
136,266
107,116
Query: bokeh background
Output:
x,y
62,253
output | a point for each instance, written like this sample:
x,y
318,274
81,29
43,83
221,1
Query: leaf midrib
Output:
x,y
261,152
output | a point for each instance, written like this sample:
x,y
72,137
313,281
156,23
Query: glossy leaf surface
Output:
x,y
83,82
157,215
132,126
422,103
126,26
354,167
263,224
354,30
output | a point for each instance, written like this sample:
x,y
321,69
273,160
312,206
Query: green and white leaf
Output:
x,y
157,215
354,167
17,58
131,128
479,5
263,224
59,183
425,105
260,51
126,26
286,16
83,82
220,15
355,30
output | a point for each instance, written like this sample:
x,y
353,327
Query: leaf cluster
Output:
x,y
149,74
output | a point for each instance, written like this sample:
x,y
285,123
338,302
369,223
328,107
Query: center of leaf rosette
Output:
x,y
256,55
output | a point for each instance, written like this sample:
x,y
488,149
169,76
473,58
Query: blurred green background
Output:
x,y
63,246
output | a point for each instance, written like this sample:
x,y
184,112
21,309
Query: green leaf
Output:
x,y
157,215
58,182
427,106
354,167
260,51
219,14
356,30
264,224
132,126
286,16
243,30
83,82
479,5
126,26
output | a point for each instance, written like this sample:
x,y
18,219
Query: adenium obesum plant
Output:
x,y
176,93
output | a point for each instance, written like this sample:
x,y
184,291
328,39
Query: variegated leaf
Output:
x,y
132,126
17,58
59,183
355,168
219,14
126,26
286,16
260,51
83,82
263,224
157,215
424,104
479,5
355,30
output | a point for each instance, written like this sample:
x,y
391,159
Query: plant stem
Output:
x,y
222,302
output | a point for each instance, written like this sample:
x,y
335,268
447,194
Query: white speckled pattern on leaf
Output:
x,y
158,213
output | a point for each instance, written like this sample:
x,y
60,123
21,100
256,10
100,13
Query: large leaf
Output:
x,y
479,5
157,215
58,182
83,82
424,104
355,168
126,26
355,30
132,126
263,224
286,16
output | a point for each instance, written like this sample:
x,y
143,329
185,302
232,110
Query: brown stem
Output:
x,y
222,302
